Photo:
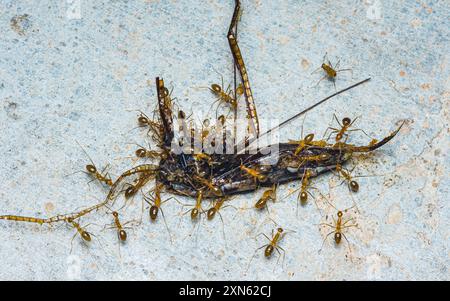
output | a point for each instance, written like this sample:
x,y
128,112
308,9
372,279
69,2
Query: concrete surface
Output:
x,y
76,71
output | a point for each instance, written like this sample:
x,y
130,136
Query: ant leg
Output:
x,y
323,242
254,254
331,128
316,70
317,206
347,69
167,227
71,242
320,80
223,228
265,235
349,226
325,224
283,256
334,131
279,255
348,243
337,120
360,130
337,65
325,56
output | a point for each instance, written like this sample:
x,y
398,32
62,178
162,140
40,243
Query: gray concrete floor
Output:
x,y
76,71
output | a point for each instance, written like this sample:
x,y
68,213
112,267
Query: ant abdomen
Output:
x,y
211,213
153,212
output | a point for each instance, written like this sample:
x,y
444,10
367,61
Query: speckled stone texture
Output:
x,y
77,70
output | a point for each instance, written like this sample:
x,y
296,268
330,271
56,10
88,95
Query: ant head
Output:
x,y
115,214
346,121
181,115
339,214
280,230
216,88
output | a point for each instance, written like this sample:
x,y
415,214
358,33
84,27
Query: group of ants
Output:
x,y
155,200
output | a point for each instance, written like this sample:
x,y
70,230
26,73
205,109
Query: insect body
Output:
x,y
121,233
330,70
185,174
273,243
352,184
224,95
344,128
155,202
142,152
203,157
338,226
140,182
269,194
198,206
215,209
213,188
303,196
257,175
86,236
91,169
302,144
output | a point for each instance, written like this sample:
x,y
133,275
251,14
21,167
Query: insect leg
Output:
x,y
239,62
323,242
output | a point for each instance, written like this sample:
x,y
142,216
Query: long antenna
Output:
x,y
313,106
251,141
